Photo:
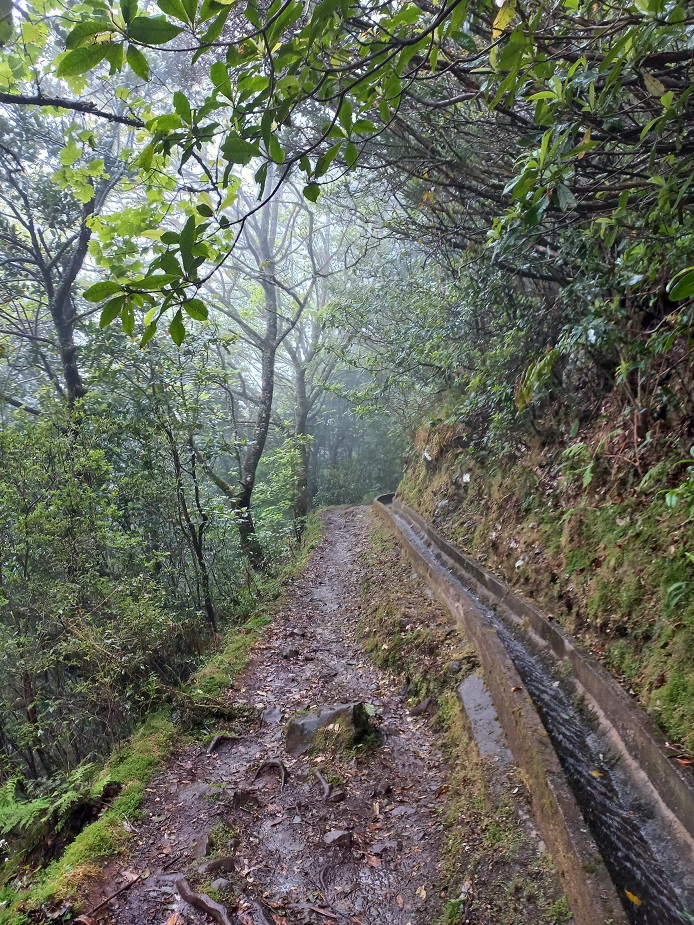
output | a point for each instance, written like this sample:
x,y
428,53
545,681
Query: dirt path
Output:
x,y
283,871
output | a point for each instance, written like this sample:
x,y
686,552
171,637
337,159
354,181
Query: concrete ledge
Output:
x,y
586,882
632,730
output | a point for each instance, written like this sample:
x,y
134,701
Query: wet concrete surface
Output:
x,y
653,878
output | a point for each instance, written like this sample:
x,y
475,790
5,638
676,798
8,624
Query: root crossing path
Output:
x,y
353,836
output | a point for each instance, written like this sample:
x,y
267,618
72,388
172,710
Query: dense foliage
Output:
x,y
247,248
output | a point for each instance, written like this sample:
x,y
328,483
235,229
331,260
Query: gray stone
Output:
x,y
201,845
221,884
290,652
352,719
338,838
271,715
454,668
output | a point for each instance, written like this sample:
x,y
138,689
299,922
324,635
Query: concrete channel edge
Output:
x,y
585,880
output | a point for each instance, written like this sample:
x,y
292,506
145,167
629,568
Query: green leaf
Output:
x,y
275,150
153,283
182,106
173,8
100,291
153,30
363,126
311,192
565,198
216,28
187,241
127,319
114,56
111,311
345,115
177,329
682,286
196,308
150,331
351,154
237,150
82,59
137,61
128,8
219,75
85,30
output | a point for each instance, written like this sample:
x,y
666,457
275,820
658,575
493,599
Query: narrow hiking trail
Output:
x,y
384,814
308,657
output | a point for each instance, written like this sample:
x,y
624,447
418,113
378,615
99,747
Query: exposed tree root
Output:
x,y
201,901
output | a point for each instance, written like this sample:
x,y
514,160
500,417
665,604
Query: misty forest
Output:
x,y
260,263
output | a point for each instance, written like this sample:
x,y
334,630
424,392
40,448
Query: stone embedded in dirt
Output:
x,y
379,847
201,846
338,838
223,865
351,720
421,707
454,667
271,715
290,652
337,796
220,884
381,789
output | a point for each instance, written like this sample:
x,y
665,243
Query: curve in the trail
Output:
x,y
638,852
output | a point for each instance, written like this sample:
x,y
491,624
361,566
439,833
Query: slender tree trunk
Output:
x,y
302,500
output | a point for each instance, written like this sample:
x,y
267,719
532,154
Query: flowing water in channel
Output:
x,y
640,856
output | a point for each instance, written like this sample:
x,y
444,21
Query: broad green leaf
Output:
x,y
565,198
196,308
85,30
153,30
182,106
219,75
150,331
311,192
127,319
100,291
351,154
153,283
682,286
173,8
187,240
111,311
275,150
137,61
237,150
128,8
82,59
177,329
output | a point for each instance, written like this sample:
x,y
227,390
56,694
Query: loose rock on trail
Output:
x,y
252,832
